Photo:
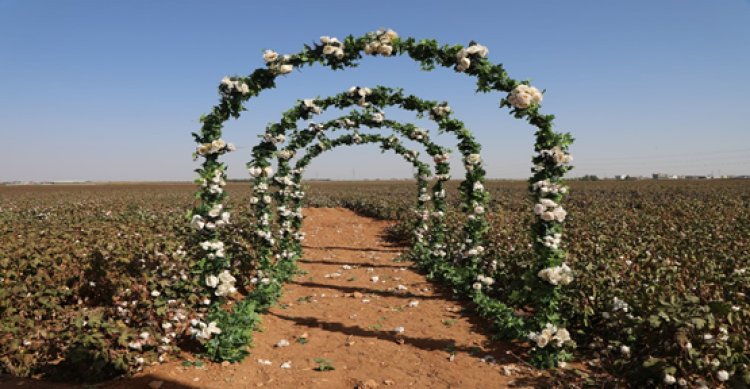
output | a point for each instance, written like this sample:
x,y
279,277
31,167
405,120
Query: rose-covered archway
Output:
x,y
225,331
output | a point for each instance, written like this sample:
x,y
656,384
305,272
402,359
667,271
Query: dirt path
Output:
x,y
346,310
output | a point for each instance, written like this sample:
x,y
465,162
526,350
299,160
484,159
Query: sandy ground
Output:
x,y
346,310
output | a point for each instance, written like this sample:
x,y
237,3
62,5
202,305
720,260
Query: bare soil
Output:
x,y
344,313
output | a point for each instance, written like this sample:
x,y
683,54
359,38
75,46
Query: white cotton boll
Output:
x,y
212,281
226,277
282,343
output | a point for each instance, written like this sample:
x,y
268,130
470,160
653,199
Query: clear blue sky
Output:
x,y
110,90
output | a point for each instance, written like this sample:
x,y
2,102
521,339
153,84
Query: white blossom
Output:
x,y
557,275
550,334
523,96
212,281
270,56
197,222
473,159
557,155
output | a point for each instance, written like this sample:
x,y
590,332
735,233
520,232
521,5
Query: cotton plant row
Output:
x,y
551,161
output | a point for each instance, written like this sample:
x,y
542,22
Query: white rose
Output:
x,y
473,159
285,69
385,50
216,210
268,171
270,56
722,375
197,222
255,171
463,64
542,340
390,34
669,379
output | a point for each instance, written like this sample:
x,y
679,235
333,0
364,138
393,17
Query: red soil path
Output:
x,y
349,319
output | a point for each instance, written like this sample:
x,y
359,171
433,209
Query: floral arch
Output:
x,y
226,325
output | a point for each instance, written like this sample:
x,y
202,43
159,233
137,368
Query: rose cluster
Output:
x,y
440,111
549,210
558,156
228,86
332,47
362,93
523,96
382,42
277,63
550,334
218,146
465,55
557,275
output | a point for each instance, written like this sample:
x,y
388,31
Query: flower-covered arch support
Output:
x,y
289,196
474,196
545,185
288,181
